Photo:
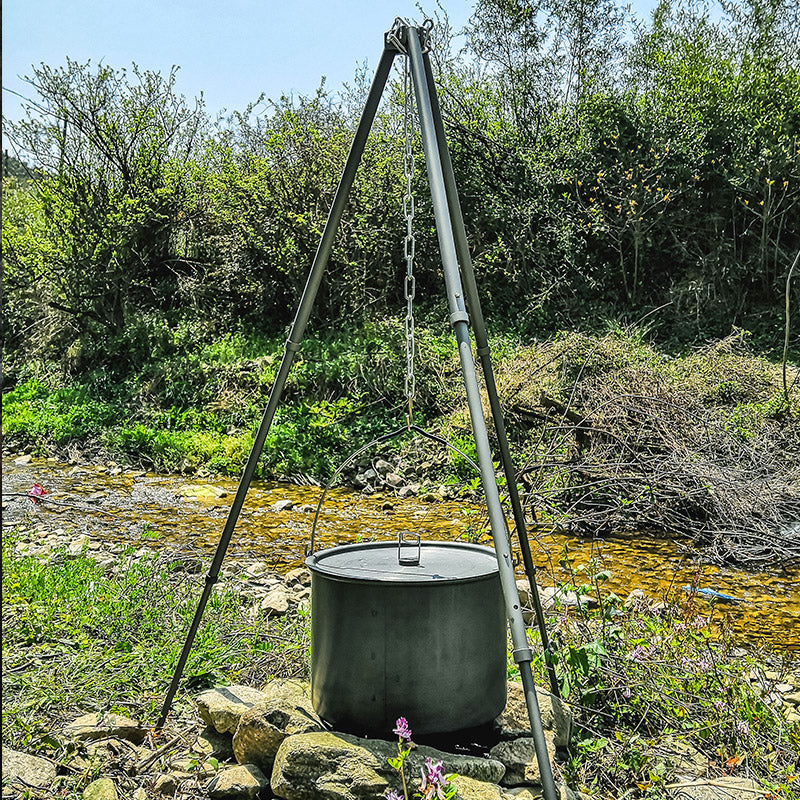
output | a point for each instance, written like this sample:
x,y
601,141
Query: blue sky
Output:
x,y
230,51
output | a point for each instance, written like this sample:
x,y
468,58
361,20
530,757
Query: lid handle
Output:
x,y
409,557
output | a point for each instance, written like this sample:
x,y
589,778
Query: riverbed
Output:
x,y
110,503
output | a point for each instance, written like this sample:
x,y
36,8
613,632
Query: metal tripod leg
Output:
x,y
459,319
484,353
292,345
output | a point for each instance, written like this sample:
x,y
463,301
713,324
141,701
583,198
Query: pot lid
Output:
x,y
403,562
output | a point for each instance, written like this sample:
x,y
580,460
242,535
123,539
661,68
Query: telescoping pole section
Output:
x,y
292,346
459,319
484,353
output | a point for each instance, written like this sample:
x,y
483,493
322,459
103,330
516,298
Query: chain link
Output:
x,y
410,243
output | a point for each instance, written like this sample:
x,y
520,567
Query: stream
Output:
x,y
121,506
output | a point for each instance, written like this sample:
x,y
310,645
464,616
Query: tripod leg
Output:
x,y
460,322
292,345
484,353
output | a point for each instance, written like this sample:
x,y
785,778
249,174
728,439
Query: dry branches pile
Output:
x,y
703,446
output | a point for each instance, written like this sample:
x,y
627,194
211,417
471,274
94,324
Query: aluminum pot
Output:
x,y
413,629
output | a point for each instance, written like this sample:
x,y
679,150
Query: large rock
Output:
x,y
26,770
470,789
101,789
104,726
245,781
263,727
519,758
513,721
722,788
318,766
223,706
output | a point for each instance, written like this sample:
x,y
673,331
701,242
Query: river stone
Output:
x,y
513,721
283,505
470,789
299,575
793,698
212,744
263,727
725,787
244,781
318,766
26,769
223,706
519,758
276,603
23,461
394,480
101,789
105,726
383,467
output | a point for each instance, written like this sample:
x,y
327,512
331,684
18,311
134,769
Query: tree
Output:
x,y
113,152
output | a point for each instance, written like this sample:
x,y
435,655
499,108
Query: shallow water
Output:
x,y
150,510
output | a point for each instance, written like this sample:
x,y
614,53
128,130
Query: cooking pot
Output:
x,y
407,628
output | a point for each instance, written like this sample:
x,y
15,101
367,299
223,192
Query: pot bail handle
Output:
x,y
409,559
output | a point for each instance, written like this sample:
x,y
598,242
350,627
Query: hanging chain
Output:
x,y
410,243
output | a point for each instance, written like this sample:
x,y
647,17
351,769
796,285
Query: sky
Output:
x,y
230,51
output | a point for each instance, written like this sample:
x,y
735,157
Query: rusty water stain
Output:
x,y
150,510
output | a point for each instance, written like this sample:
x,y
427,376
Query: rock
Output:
x,y
223,706
519,758
793,698
104,726
299,575
470,789
370,475
77,546
140,794
256,570
201,491
23,461
263,727
383,467
394,480
101,789
523,592
513,721
282,505
276,603
244,781
212,744
409,491
725,787
349,768
26,770
682,757
166,784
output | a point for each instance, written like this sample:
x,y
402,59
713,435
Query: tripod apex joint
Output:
x,y
396,39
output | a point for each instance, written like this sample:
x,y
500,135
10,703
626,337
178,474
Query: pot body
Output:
x,y
421,644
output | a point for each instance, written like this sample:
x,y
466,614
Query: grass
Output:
x,y
639,675
78,638
650,680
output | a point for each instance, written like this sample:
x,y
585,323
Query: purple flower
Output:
x,y
704,664
626,693
433,784
742,728
391,794
402,729
720,705
638,653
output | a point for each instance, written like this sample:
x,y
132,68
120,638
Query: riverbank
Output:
x,y
609,433
659,691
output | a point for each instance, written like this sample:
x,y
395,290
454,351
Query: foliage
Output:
x,y
657,682
98,639
606,167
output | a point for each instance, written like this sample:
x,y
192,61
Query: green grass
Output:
x,y
77,638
